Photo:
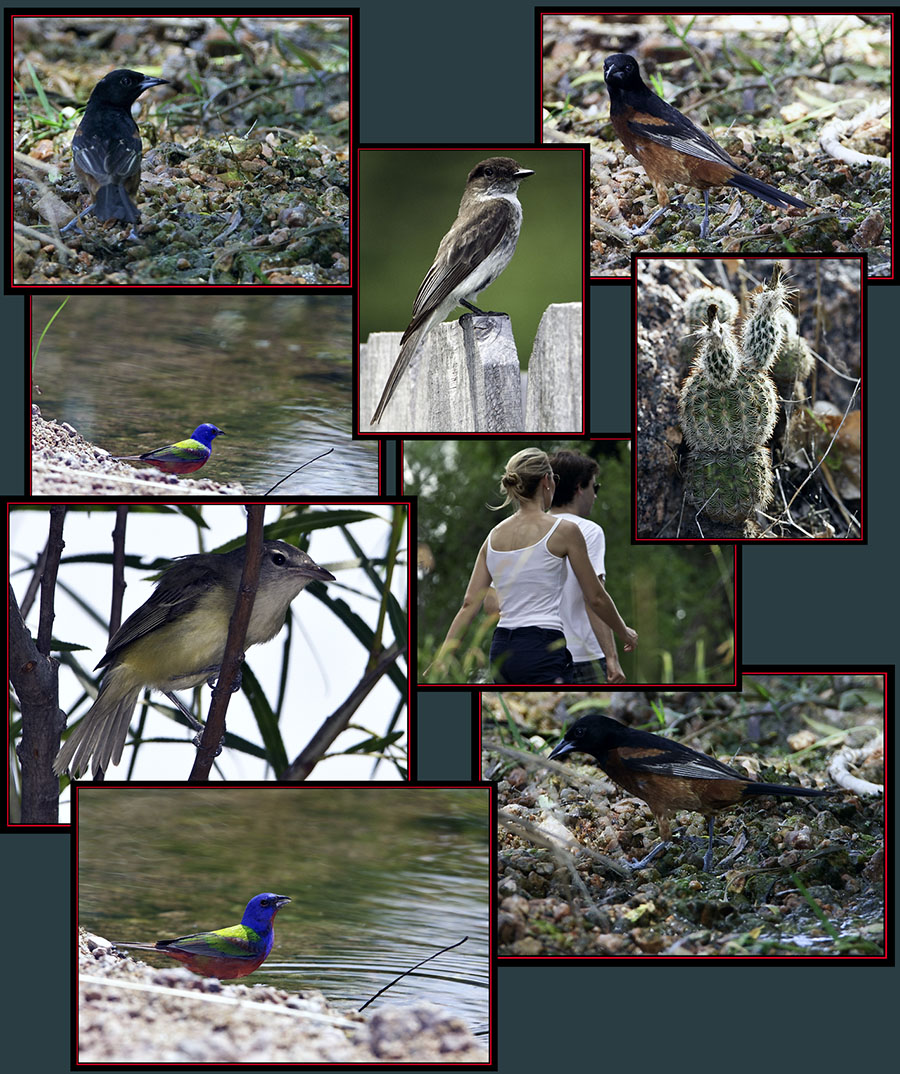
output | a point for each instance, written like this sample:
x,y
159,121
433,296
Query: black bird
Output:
x,y
666,775
671,148
106,149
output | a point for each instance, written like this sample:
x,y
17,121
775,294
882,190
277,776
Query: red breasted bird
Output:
x,y
665,774
184,457
671,148
226,953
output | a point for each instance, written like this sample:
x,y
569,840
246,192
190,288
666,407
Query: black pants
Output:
x,y
530,654
587,671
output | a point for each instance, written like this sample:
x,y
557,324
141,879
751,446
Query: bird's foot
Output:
x,y
645,861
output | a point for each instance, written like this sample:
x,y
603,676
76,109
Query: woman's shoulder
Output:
x,y
566,527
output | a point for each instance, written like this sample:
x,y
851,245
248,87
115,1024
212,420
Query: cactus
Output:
x,y
729,486
728,403
697,304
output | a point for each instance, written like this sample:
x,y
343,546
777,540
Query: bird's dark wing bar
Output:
x,y
685,764
691,141
463,248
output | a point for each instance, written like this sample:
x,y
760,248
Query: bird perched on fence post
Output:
x,y
182,458
472,254
226,953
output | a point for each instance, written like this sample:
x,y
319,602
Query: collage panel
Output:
x,y
749,398
752,110
258,392
191,151
508,220
329,700
719,826
357,943
526,573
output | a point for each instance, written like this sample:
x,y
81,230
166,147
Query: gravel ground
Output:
x,y
63,463
129,1012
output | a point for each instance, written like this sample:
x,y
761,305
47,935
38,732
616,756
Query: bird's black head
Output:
x,y
622,72
123,87
587,735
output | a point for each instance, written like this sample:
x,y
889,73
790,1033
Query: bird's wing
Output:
x,y
462,249
173,595
675,131
688,764
106,160
236,941
183,451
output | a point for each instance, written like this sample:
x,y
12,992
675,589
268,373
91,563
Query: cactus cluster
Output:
x,y
728,403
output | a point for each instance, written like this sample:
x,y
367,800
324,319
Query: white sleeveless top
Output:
x,y
529,582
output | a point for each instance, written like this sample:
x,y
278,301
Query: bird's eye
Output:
x,y
488,171
279,559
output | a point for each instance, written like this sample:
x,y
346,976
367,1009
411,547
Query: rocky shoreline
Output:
x,y
129,1012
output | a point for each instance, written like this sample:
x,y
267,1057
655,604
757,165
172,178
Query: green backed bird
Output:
x,y
176,640
184,457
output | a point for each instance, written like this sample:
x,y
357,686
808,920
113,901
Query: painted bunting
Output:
x,y
226,953
184,457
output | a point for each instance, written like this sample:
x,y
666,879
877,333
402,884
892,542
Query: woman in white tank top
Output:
x,y
525,558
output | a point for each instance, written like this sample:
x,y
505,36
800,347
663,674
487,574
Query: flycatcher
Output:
x,y
471,256
176,640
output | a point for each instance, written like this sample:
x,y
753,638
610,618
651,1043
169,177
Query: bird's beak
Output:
x,y
560,750
314,571
282,901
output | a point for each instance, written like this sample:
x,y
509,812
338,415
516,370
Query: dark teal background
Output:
x,y
466,72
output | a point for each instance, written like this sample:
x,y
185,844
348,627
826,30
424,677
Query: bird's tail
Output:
x,y
408,347
102,731
140,946
770,194
779,788
112,202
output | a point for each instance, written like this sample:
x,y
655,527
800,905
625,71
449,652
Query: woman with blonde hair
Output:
x,y
525,557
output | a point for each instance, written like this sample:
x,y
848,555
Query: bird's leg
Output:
x,y
661,211
707,860
185,711
74,221
704,227
213,681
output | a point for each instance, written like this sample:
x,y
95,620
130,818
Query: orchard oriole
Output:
x,y
665,774
670,147
106,149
